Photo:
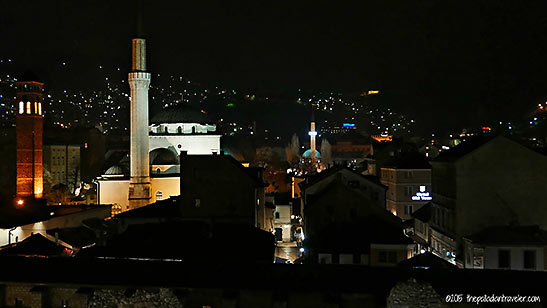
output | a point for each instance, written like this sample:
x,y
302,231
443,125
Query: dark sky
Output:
x,y
451,62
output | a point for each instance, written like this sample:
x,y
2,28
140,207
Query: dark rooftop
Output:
x,y
35,245
423,213
181,114
510,235
409,160
463,149
90,272
353,237
168,208
426,260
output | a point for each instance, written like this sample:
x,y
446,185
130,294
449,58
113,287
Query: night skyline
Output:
x,y
449,65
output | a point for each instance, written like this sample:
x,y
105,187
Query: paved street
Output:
x,y
287,251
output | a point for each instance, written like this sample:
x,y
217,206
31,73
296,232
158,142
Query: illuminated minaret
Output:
x,y
139,82
29,130
312,134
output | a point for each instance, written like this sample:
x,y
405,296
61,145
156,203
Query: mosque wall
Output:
x,y
192,144
165,187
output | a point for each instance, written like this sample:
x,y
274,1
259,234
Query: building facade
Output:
x,y
62,162
218,188
485,182
29,131
408,188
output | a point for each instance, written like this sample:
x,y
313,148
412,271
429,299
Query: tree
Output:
x,y
293,150
326,152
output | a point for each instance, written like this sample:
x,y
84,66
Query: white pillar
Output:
x,y
139,82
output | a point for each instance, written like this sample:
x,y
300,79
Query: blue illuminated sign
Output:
x,y
348,125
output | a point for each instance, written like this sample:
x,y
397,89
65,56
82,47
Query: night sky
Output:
x,y
448,63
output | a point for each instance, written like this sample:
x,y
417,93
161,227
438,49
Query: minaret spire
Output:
x,y
139,83
312,134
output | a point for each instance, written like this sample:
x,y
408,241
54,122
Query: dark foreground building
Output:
x,y
95,282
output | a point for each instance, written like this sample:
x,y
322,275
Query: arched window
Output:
x,y
40,111
158,171
35,107
28,108
159,195
166,131
179,130
21,107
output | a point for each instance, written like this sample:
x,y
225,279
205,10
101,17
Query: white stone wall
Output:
x,y
192,144
516,257
168,186
181,128
113,191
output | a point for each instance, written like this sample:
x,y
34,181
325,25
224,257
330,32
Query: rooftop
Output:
x,y
423,213
410,160
181,114
426,260
510,235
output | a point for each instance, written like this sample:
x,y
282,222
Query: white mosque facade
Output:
x,y
175,129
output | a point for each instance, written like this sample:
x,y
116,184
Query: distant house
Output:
x,y
408,179
346,221
339,203
219,188
368,185
286,217
368,241
507,247
484,182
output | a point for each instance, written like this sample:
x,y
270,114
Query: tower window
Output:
x,y
35,108
40,110
21,107
159,196
28,108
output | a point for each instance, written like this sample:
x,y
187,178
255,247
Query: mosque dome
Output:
x,y
117,170
181,114
163,156
307,154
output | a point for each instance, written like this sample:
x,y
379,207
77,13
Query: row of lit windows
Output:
x,y
37,108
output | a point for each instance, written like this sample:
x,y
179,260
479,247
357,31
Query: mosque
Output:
x,y
155,145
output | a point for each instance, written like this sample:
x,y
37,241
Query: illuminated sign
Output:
x,y
348,125
422,195
312,133
370,92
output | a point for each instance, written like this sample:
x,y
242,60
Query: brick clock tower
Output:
x,y
29,130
